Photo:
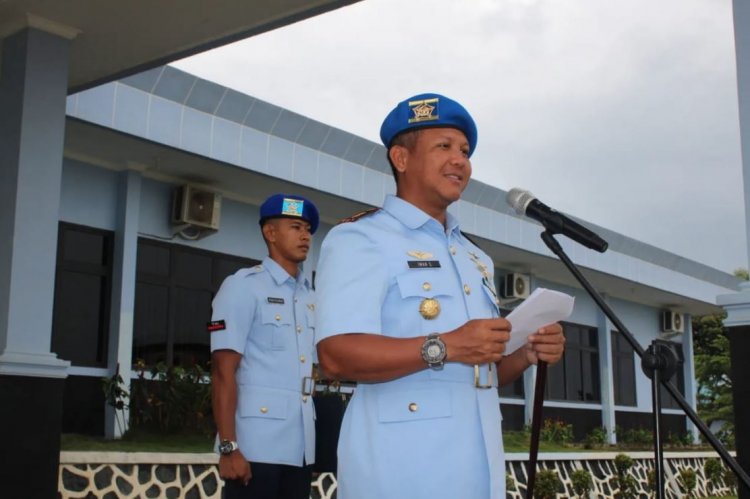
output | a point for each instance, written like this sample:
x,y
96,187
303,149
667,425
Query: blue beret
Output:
x,y
428,111
289,206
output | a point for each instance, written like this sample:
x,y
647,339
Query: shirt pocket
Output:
x,y
257,402
417,286
277,326
414,405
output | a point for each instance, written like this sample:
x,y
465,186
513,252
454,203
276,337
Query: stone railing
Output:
x,y
171,475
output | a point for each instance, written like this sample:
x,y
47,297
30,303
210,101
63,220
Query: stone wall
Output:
x,y
115,475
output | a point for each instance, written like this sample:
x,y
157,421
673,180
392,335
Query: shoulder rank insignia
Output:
x,y
421,255
359,215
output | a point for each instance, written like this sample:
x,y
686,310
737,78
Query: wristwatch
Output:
x,y
226,447
433,351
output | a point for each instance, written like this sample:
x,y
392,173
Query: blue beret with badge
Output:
x,y
428,111
290,206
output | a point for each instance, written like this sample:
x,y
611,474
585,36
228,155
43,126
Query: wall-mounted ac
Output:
x,y
516,286
195,212
672,323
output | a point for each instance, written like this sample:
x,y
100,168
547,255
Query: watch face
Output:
x,y
226,447
433,351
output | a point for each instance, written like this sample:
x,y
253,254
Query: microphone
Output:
x,y
524,203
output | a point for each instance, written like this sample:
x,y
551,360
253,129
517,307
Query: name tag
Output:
x,y
216,326
423,264
278,301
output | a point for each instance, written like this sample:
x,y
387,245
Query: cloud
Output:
x,y
622,113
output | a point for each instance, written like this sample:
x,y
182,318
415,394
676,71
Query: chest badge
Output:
x,y
429,308
419,255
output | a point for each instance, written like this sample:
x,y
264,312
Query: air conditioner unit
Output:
x,y
197,208
672,322
515,285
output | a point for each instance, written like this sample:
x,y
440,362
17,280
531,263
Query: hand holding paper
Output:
x,y
541,308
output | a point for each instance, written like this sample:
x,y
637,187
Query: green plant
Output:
x,y
582,482
682,439
730,479
547,484
624,482
687,481
634,436
116,397
651,481
556,431
596,438
171,399
714,471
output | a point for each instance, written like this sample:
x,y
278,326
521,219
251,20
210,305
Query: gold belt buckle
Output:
x,y
308,385
478,379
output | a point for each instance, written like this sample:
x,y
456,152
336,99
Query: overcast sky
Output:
x,y
623,113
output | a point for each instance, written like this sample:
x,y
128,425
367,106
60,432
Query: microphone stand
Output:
x,y
652,359
536,426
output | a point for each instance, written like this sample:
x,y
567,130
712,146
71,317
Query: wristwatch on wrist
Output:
x,y
226,447
433,351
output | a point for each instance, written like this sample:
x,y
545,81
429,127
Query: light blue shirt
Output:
x,y
270,319
431,434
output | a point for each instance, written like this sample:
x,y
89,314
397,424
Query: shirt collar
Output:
x,y
413,217
280,276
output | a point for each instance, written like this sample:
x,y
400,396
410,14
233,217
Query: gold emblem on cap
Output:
x,y
429,308
420,255
423,110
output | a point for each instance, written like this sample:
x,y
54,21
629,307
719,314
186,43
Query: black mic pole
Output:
x,y
555,247
536,426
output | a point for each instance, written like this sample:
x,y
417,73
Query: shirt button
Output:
x,y
453,250
278,317
302,358
427,286
467,289
299,329
264,410
413,407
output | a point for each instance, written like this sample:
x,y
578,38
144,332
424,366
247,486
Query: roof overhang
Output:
x,y
119,151
111,40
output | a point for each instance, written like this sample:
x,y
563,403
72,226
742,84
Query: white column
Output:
x,y
123,293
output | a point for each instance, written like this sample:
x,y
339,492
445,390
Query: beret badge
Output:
x,y
424,110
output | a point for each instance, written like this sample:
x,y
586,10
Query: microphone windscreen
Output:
x,y
519,199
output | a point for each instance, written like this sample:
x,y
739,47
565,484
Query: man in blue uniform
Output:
x,y
407,308
262,344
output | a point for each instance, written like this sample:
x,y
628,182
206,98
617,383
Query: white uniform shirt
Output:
x,y
269,317
431,434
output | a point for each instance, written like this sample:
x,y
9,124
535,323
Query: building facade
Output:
x,y
132,284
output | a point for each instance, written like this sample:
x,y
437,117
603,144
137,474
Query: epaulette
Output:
x,y
359,215
246,272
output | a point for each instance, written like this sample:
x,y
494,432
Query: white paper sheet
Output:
x,y
541,308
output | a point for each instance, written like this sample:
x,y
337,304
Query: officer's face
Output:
x,y
289,238
436,170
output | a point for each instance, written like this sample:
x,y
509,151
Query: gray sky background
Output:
x,y
623,113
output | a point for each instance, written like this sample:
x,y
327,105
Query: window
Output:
x,y
623,370
174,289
83,284
576,376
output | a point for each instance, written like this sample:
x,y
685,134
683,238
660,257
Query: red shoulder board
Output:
x,y
359,215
